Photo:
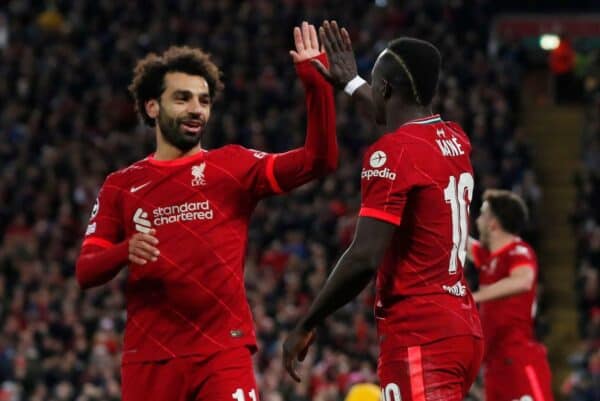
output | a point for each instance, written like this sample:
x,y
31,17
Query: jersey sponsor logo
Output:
x,y
380,173
378,159
450,147
160,216
95,209
198,174
259,155
458,289
142,224
183,212
134,189
91,228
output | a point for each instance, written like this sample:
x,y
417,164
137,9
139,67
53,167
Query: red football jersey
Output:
x,y
192,299
507,321
420,178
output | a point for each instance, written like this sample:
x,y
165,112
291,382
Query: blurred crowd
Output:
x,y
583,384
66,121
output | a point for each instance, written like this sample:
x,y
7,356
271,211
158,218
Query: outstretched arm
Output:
x,y
342,71
351,275
320,152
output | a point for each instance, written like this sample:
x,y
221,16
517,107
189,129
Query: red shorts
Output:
x,y
443,370
522,374
225,376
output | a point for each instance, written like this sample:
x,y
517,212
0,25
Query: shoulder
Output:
x,y
521,249
239,152
124,176
389,145
521,254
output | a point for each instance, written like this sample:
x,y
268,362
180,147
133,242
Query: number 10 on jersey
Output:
x,y
458,194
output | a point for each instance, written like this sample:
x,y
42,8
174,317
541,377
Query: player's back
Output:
x,y
420,178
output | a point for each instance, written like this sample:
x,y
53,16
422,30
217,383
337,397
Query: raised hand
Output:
x,y
337,44
307,44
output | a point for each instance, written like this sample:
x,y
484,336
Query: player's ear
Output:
x,y
152,108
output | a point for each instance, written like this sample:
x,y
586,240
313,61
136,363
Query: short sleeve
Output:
x,y
519,256
386,179
105,227
255,171
480,254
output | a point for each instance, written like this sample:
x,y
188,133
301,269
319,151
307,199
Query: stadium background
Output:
x,y
66,120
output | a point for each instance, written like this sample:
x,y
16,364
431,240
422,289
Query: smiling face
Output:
x,y
183,109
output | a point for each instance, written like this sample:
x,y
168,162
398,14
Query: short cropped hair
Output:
x,y
509,208
149,75
414,68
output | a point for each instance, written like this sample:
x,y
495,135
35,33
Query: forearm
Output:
x,y
320,145
319,155
350,276
96,266
501,289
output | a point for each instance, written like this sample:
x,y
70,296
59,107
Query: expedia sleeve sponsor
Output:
x,y
386,173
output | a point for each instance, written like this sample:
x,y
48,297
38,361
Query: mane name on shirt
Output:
x,y
450,147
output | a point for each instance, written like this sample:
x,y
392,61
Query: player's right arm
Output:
x,y
342,67
104,251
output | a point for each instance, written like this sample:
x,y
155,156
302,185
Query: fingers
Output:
x,y
298,41
314,41
338,36
142,248
290,367
329,33
325,41
306,35
346,42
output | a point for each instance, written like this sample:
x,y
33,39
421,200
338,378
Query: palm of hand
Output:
x,y
306,42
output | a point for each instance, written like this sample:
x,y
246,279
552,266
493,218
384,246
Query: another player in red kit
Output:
x,y
179,220
417,183
516,365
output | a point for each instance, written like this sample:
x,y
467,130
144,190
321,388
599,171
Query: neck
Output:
x,y
166,151
398,113
500,239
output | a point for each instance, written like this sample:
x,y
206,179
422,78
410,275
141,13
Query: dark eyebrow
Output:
x,y
187,93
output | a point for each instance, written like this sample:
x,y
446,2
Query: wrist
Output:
x,y
354,84
305,326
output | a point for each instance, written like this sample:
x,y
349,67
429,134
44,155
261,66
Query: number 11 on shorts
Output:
x,y
240,396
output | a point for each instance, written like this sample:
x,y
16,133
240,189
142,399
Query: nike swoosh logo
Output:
x,y
135,189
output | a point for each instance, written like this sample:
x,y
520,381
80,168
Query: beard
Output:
x,y
175,132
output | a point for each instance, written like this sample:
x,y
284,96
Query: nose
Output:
x,y
195,107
